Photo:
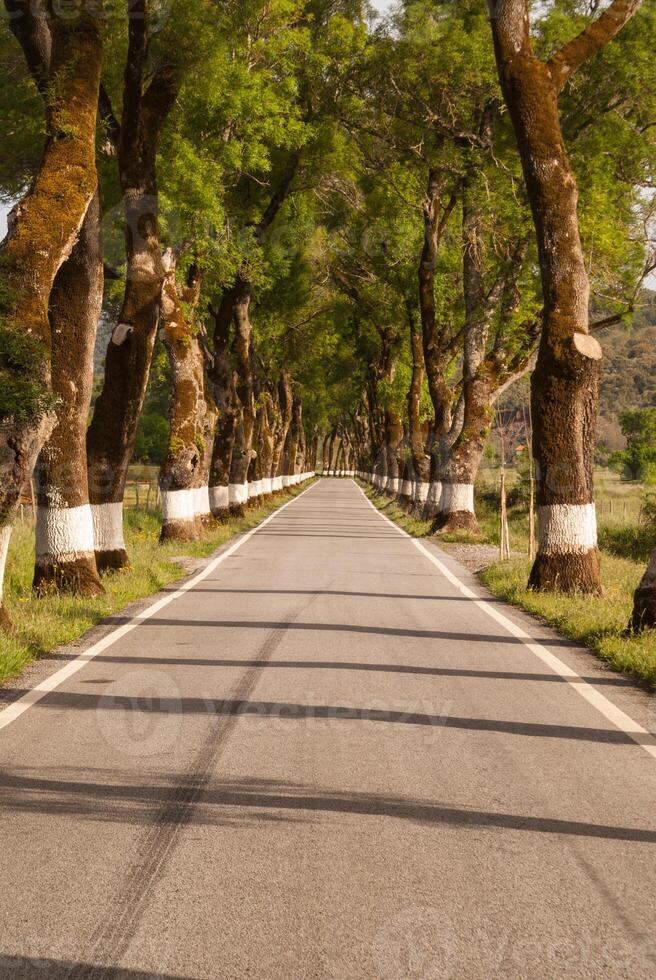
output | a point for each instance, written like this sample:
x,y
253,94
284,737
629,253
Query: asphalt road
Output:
x,y
325,760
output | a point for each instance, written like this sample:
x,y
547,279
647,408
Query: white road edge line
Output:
x,y
610,711
39,691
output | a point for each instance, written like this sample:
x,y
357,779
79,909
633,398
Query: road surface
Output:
x,y
326,760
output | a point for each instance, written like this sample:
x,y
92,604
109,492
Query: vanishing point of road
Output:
x,y
324,756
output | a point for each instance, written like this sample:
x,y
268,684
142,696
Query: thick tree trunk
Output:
x,y
237,489
417,473
393,443
314,452
565,385
245,393
644,600
64,526
294,442
255,469
224,442
461,459
224,388
286,401
181,471
113,430
300,464
324,454
439,340
42,232
202,505
267,441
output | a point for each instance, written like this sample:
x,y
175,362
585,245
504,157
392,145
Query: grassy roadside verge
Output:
x,y
598,623
40,625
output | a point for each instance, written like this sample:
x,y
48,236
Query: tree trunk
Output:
x,y
42,232
65,557
255,479
565,385
112,433
438,340
245,393
237,490
286,400
267,443
314,452
203,506
181,471
393,442
644,600
417,473
324,454
224,388
460,461
300,465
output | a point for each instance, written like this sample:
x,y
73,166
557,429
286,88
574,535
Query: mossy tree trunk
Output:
x,y
285,402
43,229
565,384
490,364
300,463
644,600
439,337
203,504
267,441
314,452
294,442
65,558
223,380
245,391
113,429
181,470
417,470
324,453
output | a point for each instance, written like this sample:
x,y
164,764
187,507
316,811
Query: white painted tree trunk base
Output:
x,y
202,506
5,538
457,498
108,526
64,533
219,499
178,505
567,529
238,494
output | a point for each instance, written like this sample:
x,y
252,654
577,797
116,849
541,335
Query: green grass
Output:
x,y
41,624
597,622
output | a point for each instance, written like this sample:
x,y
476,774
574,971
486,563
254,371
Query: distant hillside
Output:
x,y
629,370
629,381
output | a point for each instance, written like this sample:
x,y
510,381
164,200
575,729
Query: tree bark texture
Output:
x,y
113,430
43,229
181,471
65,558
565,384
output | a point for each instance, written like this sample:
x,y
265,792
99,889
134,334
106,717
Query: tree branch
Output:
x,y
280,193
106,115
564,63
28,22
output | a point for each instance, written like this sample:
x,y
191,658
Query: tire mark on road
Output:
x,y
111,940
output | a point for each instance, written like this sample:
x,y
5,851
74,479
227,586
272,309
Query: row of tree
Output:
x,y
328,235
